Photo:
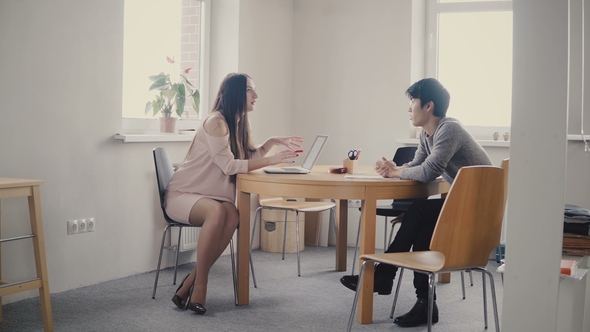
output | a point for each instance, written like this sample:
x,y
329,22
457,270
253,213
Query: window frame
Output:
x,y
151,125
433,8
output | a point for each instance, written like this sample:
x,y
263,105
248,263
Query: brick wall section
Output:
x,y
189,45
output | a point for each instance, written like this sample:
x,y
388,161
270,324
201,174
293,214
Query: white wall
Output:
x,y
320,66
351,69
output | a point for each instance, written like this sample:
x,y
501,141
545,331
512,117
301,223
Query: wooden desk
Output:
x,y
320,184
29,188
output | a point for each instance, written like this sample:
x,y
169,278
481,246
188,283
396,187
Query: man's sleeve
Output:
x,y
447,141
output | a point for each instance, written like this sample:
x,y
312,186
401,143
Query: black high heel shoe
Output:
x,y
197,307
179,301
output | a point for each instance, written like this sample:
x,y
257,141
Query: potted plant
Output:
x,y
172,98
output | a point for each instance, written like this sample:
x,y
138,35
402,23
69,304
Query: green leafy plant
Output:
x,y
172,96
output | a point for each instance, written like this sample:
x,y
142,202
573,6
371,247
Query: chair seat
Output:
x,y
280,203
429,261
387,211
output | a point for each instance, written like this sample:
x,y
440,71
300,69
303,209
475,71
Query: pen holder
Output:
x,y
350,165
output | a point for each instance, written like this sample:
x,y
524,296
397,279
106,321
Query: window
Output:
x,y
470,51
153,31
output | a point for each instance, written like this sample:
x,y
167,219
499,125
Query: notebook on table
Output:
x,y
310,159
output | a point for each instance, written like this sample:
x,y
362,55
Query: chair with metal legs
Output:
x,y
164,171
468,229
279,203
396,209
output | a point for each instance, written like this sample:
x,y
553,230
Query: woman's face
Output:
x,y
251,95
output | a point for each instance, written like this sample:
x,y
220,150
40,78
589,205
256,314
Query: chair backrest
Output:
x,y
470,223
164,172
505,166
404,154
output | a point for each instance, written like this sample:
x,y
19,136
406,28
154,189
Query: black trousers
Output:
x,y
415,233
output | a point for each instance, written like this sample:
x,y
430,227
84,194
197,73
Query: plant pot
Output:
x,y
168,124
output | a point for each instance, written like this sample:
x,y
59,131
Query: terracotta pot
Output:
x,y
168,124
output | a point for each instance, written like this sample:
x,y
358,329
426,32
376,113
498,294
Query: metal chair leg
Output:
x,y
233,270
356,247
356,296
494,302
385,235
296,225
471,278
463,284
430,300
399,282
177,251
256,216
285,233
391,233
485,300
159,261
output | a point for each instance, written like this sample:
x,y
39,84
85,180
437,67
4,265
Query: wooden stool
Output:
x,y
29,188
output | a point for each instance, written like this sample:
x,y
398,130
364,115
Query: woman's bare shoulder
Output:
x,y
215,125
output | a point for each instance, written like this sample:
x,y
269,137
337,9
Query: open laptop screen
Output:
x,y
314,153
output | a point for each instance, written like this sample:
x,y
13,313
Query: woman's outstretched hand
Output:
x,y
290,142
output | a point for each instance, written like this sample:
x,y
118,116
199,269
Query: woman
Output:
x,y
202,191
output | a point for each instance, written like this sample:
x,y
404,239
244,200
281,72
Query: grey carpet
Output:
x,y
316,301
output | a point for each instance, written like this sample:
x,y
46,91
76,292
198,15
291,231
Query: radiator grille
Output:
x,y
188,239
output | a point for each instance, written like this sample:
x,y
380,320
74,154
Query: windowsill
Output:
x,y
150,138
577,137
483,142
415,141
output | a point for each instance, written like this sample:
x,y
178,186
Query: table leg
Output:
x,y
40,263
444,278
341,234
244,249
367,246
313,220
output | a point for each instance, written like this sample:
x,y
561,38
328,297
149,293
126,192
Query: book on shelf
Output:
x,y
568,267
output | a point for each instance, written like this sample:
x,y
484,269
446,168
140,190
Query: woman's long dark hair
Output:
x,y
231,103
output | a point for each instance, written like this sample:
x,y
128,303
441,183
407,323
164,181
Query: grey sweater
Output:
x,y
444,153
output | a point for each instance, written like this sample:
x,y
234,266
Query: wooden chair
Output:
x,y
279,203
467,230
396,211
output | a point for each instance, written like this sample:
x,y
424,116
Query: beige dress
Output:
x,y
205,172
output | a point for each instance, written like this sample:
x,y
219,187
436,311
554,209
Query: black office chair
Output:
x,y
164,171
403,155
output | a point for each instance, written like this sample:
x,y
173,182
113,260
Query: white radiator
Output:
x,y
188,239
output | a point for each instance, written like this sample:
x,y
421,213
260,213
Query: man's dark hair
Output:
x,y
429,89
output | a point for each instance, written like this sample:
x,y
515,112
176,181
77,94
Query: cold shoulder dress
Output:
x,y
204,173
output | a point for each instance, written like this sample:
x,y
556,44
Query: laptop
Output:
x,y
312,157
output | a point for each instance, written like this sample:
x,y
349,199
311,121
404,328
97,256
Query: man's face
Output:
x,y
419,115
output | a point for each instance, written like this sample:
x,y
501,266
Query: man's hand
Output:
x,y
387,168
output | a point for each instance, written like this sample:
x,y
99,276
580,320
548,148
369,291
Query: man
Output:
x,y
445,147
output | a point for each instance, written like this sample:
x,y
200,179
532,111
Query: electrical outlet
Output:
x,y
90,224
81,225
354,203
72,226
